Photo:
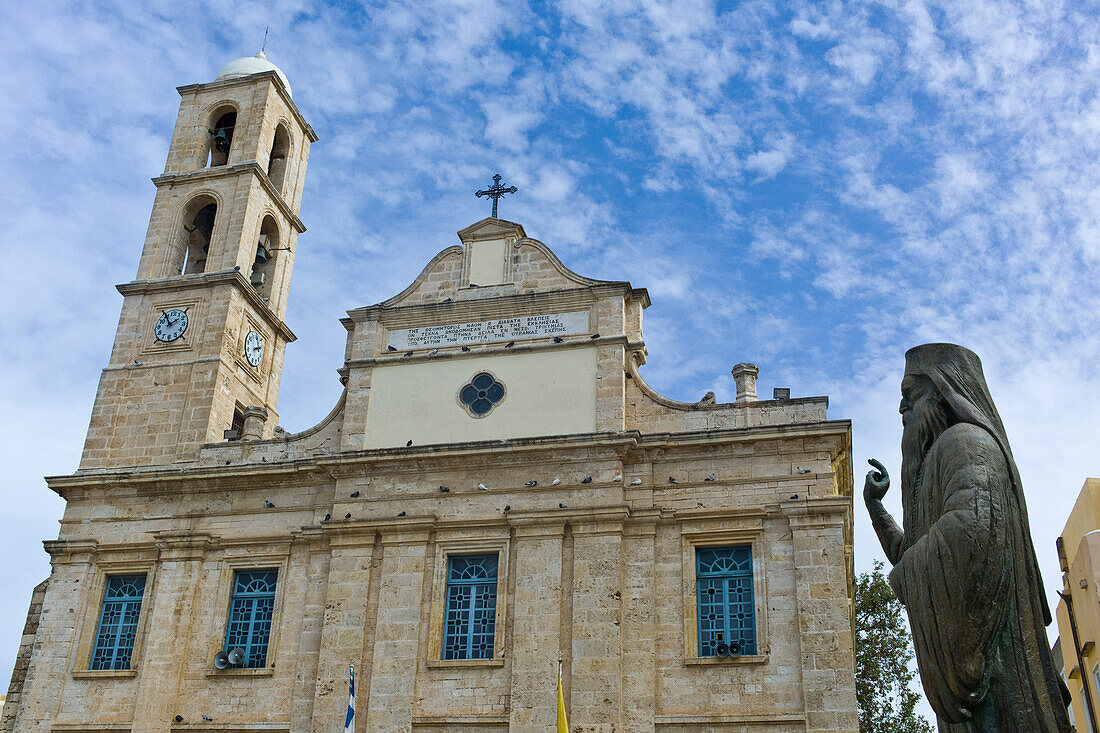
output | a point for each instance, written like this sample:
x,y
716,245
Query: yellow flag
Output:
x,y
563,724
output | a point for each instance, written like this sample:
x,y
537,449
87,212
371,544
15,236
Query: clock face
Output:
x,y
253,348
171,325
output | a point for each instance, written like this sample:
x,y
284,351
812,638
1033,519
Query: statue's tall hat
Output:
x,y
925,359
957,373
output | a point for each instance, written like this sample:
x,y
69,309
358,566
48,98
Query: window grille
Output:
x,y
250,614
481,394
727,611
118,621
470,622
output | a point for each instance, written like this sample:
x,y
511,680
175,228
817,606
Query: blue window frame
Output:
x,y
118,622
250,612
470,623
727,611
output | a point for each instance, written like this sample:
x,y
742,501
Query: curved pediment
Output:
x,y
437,281
542,270
496,258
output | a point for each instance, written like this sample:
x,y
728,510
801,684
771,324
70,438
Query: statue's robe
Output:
x,y
965,569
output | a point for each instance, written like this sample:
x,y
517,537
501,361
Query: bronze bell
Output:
x,y
261,254
221,141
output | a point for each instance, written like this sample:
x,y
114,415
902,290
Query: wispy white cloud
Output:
x,y
812,185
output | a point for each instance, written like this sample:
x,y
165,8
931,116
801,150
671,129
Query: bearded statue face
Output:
x,y
924,415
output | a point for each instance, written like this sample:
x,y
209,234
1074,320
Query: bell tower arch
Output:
x,y
202,334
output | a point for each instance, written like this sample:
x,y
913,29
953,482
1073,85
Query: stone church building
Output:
x,y
496,487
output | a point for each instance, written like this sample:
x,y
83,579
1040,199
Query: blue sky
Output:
x,y
811,186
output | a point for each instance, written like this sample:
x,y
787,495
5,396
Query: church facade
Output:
x,y
496,489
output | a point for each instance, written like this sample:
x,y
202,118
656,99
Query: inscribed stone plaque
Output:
x,y
501,329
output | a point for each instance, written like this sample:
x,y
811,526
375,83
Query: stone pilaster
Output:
x,y
824,626
23,658
639,627
397,631
254,419
611,384
49,667
596,664
168,628
312,546
342,632
537,622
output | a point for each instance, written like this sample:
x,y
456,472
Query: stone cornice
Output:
x,y
417,529
743,513
311,536
499,306
475,720
353,462
656,443
392,530
66,551
491,228
599,521
167,480
539,528
178,544
574,516
210,279
628,445
242,80
221,171
747,719
183,544
423,353
831,511
407,530
636,357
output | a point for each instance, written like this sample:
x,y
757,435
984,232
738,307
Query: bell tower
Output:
x,y
201,338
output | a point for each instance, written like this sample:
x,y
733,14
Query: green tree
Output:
x,y
884,657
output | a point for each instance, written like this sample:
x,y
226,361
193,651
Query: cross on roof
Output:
x,y
495,192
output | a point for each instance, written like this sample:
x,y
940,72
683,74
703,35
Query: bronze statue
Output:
x,y
965,566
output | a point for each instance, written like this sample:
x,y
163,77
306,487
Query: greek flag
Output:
x,y
349,721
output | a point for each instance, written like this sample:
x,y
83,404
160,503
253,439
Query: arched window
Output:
x,y
280,150
193,242
267,250
221,135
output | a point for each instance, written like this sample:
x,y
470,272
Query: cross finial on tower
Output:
x,y
495,192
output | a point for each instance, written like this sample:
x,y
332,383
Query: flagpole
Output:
x,y
349,720
563,722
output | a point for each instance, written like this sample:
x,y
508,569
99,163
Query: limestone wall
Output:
x,y
22,659
599,571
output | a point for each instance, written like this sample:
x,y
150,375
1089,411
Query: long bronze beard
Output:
x,y
928,418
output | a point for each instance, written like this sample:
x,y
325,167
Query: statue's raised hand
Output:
x,y
877,483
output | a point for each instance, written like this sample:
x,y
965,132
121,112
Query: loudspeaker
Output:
x,y
236,657
221,660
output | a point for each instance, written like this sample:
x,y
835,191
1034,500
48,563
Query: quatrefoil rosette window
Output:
x,y
481,394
